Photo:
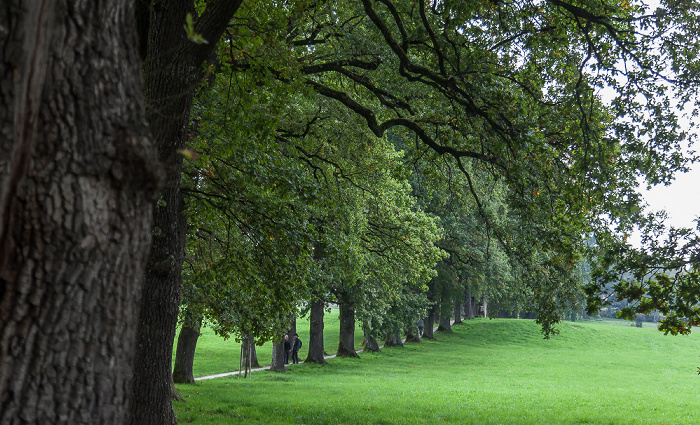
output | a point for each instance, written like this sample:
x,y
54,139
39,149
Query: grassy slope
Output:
x,y
487,372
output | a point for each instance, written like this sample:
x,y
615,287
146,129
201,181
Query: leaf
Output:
x,y
191,34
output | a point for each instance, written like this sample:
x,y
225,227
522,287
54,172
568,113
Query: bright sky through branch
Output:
x,y
681,200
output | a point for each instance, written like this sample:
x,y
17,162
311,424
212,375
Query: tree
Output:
x,y
249,243
539,132
183,372
316,351
277,362
78,176
173,68
514,89
663,275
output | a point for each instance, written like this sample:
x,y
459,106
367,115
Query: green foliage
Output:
x,y
513,90
348,146
250,242
661,276
299,206
192,35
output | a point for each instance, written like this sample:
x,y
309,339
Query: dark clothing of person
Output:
x,y
296,346
420,327
287,349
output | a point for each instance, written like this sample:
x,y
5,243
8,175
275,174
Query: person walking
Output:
x,y
420,327
296,346
287,348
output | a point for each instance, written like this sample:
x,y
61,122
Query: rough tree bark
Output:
x,y
172,71
292,326
316,333
78,177
186,345
346,343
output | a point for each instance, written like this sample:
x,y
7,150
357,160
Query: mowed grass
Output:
x,y
215,355
487,372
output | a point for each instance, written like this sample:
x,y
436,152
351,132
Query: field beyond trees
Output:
x,y
487,372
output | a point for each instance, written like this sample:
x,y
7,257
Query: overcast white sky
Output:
x,y
681,199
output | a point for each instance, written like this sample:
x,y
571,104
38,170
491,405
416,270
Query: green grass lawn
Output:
x,y
215,355
487,372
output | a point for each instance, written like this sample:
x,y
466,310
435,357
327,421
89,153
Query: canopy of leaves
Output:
x,y
528,123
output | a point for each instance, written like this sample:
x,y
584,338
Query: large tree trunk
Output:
x,y
186,345
169,95
346,343
316,334
430,322
173,69
158,319
77,181
369,342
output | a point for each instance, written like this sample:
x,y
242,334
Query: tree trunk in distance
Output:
x,y
316,333
458,312
292,326
250,355
253,355
369,343
430,323
412,334
346,343
78,177
277,363
485,305
469,303
184,353
393,339
444,325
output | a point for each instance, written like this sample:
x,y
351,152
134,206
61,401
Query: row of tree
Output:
x,y
383,155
